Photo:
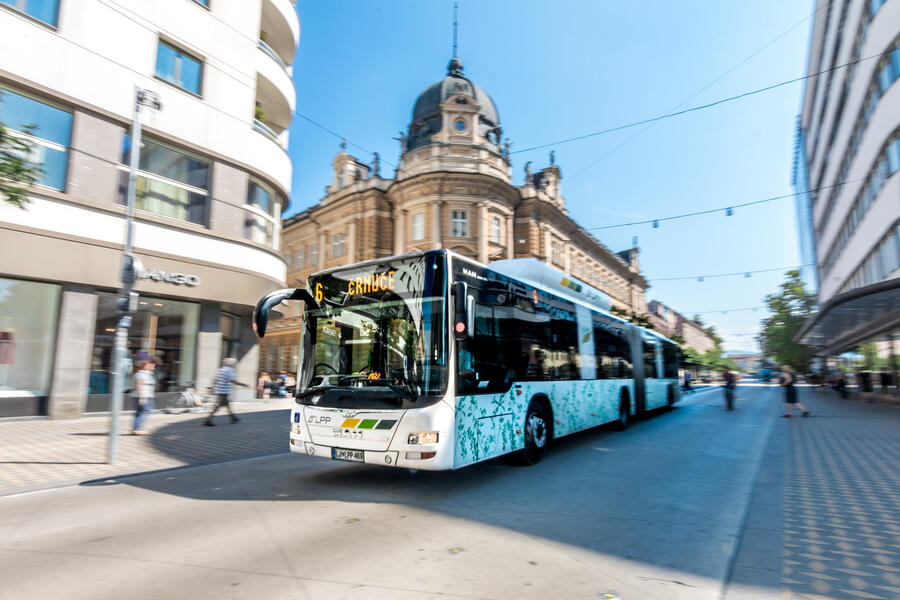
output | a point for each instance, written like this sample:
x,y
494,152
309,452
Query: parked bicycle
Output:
x,y
191,400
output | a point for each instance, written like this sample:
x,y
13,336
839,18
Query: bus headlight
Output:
x,y
423,437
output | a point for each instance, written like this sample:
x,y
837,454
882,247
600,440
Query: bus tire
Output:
x,y
538,429
624,419
670,400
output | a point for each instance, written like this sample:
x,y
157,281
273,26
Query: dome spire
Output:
x,y
455,67
455,25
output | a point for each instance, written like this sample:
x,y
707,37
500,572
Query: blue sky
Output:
x,y
566,68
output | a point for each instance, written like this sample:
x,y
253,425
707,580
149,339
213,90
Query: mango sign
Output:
x,y
376,282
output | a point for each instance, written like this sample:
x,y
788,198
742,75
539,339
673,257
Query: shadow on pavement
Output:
x,y
623,494
188,441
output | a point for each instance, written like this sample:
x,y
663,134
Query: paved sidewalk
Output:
x,y
841,493
39,454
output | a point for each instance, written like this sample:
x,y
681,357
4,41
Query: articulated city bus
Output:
x,y
434,361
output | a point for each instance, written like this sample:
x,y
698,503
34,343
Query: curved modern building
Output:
x,y
848,158
213,178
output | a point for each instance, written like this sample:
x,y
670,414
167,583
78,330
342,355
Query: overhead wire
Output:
x,y
698,92
726,209
725,310
115,7
701,278
678,113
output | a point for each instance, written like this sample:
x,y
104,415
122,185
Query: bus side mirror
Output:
x,y
463,311
272,299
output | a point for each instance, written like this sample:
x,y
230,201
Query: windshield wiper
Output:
x,y
403,391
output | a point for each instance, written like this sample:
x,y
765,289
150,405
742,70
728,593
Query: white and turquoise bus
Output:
x,y
434,361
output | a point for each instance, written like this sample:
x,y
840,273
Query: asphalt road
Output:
x,y
657,511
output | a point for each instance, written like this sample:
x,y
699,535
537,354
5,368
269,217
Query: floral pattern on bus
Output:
x,y
487,424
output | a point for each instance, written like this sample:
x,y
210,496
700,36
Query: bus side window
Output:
x,y
670,361
488,358
612,349
649,360
566,359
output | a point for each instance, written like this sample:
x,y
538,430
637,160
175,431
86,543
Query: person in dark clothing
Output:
x,y
787,381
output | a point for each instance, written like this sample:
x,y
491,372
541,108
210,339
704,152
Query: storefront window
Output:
x,y
28,315
163,329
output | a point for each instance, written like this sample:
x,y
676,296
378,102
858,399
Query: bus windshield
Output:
x,y
377,339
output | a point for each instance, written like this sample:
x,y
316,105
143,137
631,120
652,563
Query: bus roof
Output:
x,y
541,275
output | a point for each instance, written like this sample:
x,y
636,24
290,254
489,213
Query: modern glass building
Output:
x,y
213,179
803,209
850,155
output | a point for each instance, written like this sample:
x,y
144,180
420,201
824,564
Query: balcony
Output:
x,y
275,97
279,30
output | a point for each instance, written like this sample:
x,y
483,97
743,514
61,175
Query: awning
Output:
x,y
853,317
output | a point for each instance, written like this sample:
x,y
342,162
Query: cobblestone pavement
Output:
x,y
38,454
841,499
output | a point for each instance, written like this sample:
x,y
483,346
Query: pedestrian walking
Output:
x,y
787,381
145,385
687,381
225,379
730,388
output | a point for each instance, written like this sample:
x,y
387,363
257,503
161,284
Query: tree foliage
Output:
x,y
713,358
17,171
790,309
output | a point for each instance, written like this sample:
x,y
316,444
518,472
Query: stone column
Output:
x,y
485,232
247,368
209,345
72,364
276,233
438,208
548,248
399,230
511,240
351,242
323,240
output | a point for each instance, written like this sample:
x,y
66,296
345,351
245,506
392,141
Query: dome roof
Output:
x,y
426,117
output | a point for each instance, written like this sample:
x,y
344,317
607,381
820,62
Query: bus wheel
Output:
x,y
671,398
624,413
537,434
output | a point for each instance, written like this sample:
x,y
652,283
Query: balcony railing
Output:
x,y
266,130
268,50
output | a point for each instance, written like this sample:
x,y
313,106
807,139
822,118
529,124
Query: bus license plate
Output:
x,y
344,454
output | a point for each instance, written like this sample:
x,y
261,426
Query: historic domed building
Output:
x,y
452,189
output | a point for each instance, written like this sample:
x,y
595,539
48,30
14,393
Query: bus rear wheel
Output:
x,y
537,434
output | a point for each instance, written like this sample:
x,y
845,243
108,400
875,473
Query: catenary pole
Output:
x,y
126,303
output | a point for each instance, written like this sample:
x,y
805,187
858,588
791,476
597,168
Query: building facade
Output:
x,y
452,189
213,179
850,158
672,323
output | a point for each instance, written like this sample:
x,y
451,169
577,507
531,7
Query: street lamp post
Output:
x,y
126,303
